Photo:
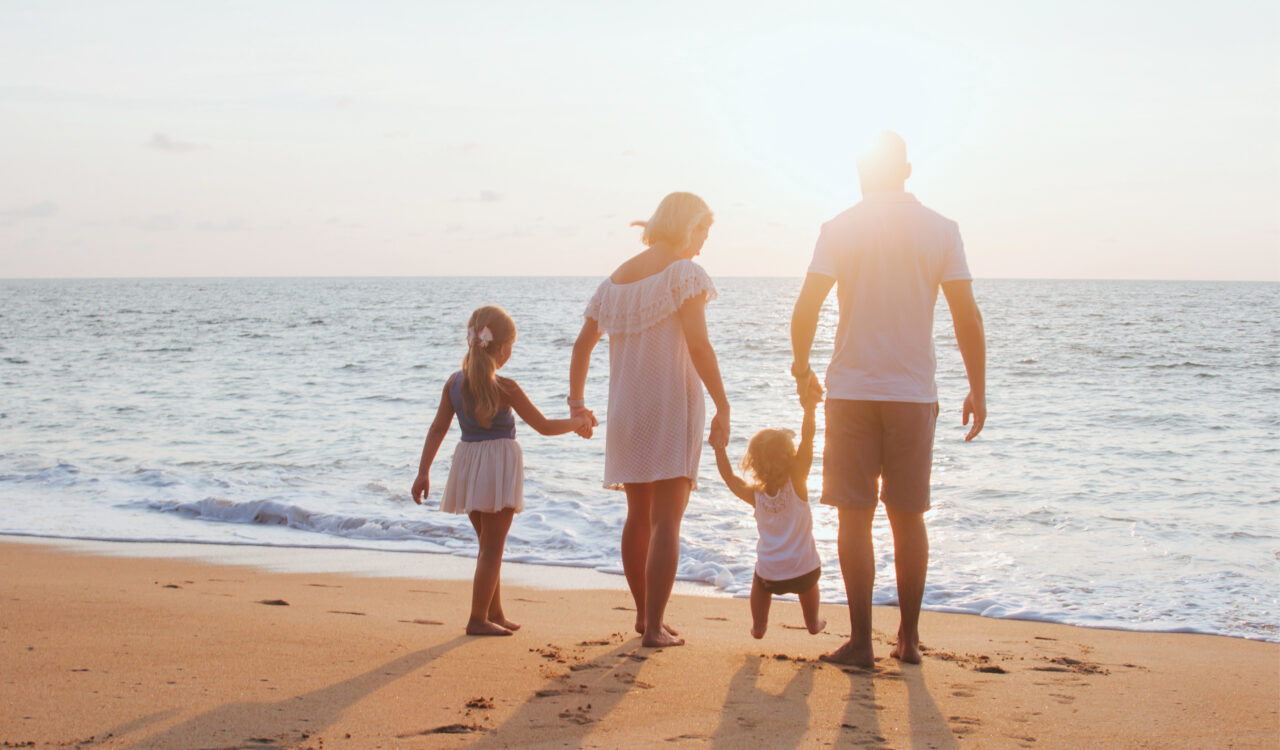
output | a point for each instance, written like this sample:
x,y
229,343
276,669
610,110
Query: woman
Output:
x,y
653,308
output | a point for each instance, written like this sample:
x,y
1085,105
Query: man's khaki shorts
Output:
x,y
868,441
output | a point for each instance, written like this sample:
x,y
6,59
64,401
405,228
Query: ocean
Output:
x,y
1128,476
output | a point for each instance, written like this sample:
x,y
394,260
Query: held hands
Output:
x,y
585,419
809,389
976,406
719,438
421,487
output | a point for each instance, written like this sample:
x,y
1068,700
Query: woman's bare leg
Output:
x,y
491,531
635,544
670,496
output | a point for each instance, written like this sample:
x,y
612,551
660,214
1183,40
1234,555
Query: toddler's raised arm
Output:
x,y
736,485
804,452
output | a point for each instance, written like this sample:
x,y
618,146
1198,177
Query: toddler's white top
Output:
x,y
786,548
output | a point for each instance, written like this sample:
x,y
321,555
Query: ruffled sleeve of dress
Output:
x,y
636,307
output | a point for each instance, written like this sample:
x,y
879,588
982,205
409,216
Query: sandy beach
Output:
x,y
110,651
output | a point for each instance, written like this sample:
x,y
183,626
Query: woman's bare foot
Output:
x,y
484,627
504,622
665,628
662,640
817,627
906,651
851,655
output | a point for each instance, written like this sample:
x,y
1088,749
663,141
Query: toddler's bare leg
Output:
x,y
809,602
760,601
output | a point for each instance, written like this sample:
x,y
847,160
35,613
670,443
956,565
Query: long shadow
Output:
x,y
569,705
291,720
786,720
929,729
860,727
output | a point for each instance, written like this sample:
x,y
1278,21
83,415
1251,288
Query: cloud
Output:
x,y
230,225
489,196
162,142
41,210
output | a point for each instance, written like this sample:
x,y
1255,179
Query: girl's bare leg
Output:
x,y
635,544
760,601
491,530
670,496
813,620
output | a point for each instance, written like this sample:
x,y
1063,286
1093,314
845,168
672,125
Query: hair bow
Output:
x,y
484,337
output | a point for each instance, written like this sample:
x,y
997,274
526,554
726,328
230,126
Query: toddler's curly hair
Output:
x,y
770,455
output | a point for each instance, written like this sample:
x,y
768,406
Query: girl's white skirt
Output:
x,y
487,476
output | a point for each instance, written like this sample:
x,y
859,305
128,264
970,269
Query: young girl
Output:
x,y
486,480
786,556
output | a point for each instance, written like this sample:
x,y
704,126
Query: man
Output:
x,y
889,255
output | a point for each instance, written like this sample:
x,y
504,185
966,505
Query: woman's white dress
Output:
x,y
656,411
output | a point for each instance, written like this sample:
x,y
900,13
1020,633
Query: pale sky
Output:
x,y
1069,140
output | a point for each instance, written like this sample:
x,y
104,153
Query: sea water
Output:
x,y
1127,476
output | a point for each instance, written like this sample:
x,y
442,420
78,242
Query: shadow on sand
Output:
x,y
291,720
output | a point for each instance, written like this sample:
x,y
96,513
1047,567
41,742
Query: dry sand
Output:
x,y
160,653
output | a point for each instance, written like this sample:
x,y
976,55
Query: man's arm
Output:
x,y
804,325
972,339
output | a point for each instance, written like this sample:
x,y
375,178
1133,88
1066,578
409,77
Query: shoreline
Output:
x,y
381,563
162,652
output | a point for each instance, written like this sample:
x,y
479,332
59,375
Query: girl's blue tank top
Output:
x,y
502,427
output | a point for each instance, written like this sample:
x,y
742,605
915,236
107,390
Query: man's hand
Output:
x,y
976,406
421,486
809,389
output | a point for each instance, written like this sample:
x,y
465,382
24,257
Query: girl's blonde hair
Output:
x,y
488,330
678,215
770,455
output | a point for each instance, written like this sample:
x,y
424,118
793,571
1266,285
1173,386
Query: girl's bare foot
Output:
x,y
758,632
851,655
504,622
662,640
817,627
484,627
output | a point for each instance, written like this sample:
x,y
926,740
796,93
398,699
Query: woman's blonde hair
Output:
x,y
770,455
488,330
678,215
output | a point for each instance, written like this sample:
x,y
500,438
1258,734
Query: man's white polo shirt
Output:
x,y
888,255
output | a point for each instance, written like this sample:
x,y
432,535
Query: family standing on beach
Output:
x,y
888,256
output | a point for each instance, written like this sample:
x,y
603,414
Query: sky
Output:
x,y
1131,140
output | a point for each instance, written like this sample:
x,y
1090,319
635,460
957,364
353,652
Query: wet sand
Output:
x,y
109,651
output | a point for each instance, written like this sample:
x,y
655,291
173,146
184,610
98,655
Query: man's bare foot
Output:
x,y
905,651
484,627
665,628
504,622
851,655
817,627
662,640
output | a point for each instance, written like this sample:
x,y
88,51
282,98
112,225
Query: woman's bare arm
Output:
x,y
693,321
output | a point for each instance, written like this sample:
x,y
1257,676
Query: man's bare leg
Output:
x,y
911,560
858,567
